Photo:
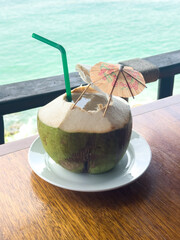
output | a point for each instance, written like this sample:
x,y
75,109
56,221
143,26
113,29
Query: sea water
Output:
x,y
91,31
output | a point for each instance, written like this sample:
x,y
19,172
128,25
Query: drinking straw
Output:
x,y
64,61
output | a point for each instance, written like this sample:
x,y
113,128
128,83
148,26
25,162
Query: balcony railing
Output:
x,y
26,95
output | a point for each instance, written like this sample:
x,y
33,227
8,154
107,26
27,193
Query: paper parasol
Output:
x,y
117,80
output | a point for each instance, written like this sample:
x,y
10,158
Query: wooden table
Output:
x,y
31,208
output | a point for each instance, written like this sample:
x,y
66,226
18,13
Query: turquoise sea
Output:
x,y
91,31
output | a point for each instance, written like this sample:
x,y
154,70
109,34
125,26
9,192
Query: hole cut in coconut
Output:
x,y
90,101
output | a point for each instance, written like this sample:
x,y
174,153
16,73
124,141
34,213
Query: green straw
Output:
x,y
64,61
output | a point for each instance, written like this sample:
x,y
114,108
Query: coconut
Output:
x,y
80,139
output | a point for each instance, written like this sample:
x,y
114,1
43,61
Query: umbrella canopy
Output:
x,y
117,80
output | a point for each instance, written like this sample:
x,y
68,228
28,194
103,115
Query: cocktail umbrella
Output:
x,y
116,79
124,80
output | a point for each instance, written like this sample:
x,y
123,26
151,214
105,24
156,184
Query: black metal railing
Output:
x,y
26,95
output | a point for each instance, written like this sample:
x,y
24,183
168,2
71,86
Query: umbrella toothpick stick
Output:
x,y
107,105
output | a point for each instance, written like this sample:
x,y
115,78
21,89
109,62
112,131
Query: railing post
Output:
x,y
1,130
165,87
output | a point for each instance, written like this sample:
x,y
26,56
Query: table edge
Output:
x,y
16,145
155,105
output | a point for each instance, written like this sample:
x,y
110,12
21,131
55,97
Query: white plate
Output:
x,y
133,165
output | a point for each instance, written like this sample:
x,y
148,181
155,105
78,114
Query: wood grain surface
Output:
x,y
149,208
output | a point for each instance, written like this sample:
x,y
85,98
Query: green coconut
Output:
x,y
81,139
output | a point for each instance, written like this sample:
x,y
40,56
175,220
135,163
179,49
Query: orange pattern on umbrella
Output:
x,y
117,80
